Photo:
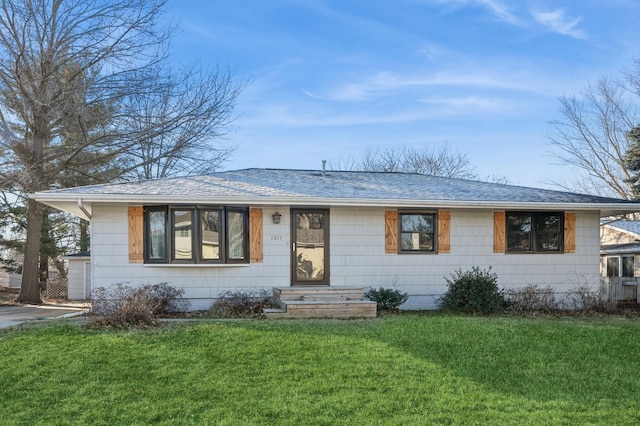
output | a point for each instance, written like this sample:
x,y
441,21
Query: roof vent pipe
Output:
x,y
324,167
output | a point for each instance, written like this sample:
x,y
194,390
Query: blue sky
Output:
x,y
331,78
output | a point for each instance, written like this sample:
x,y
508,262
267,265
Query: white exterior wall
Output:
x,y
357,258
76,278
202,283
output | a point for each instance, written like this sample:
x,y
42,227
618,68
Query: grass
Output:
x,y
402,369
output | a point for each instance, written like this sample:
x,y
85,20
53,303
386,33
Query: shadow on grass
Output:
x,y
581,360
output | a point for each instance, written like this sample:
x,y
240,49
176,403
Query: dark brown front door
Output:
x,y
310,247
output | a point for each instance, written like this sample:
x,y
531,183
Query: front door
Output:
x,y
310,247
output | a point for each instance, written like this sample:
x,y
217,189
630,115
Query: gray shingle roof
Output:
x,y
300,184
632,226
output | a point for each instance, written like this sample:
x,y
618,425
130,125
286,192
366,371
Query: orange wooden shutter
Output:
x,y
136,243
499,229
444,228
391,231
255,235
569,232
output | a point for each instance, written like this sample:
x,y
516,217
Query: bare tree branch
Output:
x,y
591,137
88,96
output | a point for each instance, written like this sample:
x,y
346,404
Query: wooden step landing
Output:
x,y
321,302
318,292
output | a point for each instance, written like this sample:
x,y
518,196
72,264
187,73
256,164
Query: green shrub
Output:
x,y
123,306
387,299
242,304
474,291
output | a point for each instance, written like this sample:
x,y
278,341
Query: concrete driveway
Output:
x,y
11,315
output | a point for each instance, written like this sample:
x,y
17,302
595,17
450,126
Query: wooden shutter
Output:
x,y
136,242
499,230
255,235
569,232
444,228
391,231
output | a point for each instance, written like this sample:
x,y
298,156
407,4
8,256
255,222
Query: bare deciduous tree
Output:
x,y
178,122
591,136
438,162
69,70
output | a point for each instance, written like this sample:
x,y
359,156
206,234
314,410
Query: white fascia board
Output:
x,y
69,202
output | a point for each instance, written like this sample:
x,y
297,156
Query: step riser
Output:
x,y
322,302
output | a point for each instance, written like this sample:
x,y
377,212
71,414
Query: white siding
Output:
x,y
202,283
76,278
358,258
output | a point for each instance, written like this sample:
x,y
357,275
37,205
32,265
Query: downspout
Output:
x,y
83,209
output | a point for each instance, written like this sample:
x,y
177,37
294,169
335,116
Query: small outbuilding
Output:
x,y
79,276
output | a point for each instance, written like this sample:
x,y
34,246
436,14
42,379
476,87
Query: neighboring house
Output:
x,y
620,260
265,228
620,248
10,279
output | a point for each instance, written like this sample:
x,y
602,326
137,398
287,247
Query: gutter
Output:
x,y
83,209
56,200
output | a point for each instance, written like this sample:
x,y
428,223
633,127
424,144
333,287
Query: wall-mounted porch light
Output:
x,y
276,217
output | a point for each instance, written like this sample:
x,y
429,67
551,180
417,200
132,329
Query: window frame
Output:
x,y
620,267
534,234
434,232
197,255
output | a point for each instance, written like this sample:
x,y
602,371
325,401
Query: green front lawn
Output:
x,y
404,369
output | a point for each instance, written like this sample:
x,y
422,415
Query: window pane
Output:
x,y
518,222
417,222
157,235
182,234
628,267
548,223
547,242
613,266
210,234
236,232
519,242
416,241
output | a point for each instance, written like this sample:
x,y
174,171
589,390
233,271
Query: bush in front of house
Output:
x,y
124,306
249,303
532,298
388,299
583,299
474,291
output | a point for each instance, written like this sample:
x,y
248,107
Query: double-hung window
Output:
x,y
196,234
535,232
417,232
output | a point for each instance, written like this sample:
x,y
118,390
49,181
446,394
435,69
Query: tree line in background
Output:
x,y
88,96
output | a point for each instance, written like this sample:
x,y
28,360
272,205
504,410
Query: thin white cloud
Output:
x,y
471,102
558,22
385,84
501,11
497,8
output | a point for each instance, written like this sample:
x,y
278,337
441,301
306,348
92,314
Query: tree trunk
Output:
x,y
84,235
30,288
